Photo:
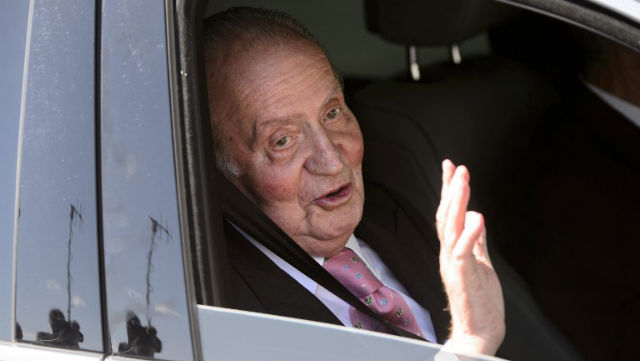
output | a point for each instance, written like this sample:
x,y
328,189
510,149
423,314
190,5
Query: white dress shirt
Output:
x,y
335,304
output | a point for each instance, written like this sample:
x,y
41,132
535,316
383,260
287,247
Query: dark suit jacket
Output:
x,y
257,284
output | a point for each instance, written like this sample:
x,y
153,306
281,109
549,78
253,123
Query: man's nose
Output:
x,y
325,157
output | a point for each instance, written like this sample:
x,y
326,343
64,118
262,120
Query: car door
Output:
x,y
95,261
108,211
106,199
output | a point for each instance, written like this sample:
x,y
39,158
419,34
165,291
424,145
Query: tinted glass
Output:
x,y
58,298
13,34
145,278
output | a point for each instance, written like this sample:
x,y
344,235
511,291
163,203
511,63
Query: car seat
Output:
x,y
476,111
479,112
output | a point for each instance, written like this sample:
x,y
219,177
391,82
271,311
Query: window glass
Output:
x,y
146,297
13,34
58,298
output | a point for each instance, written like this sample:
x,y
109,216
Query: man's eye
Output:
x,y
283,141
333,113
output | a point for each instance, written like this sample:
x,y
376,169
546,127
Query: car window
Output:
x,y
57,283
13,35
145,280
509,113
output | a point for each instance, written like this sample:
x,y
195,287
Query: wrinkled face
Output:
x,y
297,145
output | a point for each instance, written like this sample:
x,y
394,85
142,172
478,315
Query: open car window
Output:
x,y
509,86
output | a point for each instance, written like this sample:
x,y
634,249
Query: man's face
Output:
x,y
298,147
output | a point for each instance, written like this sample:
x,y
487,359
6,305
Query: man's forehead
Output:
x,y
254,78
260,64
283,76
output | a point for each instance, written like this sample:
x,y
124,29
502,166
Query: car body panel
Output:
x,y
10,351
256,336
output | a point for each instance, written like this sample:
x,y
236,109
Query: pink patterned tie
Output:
x,y
354,274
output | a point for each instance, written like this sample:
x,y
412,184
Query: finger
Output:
x,y
481,250
459,193
454,191
473,230
447,173
448,169
444,218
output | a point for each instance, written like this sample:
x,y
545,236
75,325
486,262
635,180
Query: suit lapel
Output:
x,y
261,286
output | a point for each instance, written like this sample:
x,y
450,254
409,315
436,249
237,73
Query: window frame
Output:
x,y
177,181
587,15
88,169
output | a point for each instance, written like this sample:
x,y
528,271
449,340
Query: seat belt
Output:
x,y
415,217
242,212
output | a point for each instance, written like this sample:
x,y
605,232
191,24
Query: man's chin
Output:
x,y
337,221
325,247
334,232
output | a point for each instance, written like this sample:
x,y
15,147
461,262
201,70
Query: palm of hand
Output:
x,y
472,286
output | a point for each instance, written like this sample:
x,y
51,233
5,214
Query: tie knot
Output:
x,y
352,272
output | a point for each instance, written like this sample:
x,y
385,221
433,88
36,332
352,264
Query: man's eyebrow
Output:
x,y
270,122
333,94
267,123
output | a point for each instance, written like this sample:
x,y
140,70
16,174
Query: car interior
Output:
x,y
510,94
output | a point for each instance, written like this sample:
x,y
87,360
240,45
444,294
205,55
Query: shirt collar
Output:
x,y
352,243
305,281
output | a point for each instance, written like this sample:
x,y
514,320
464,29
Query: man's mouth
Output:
x,y
335,197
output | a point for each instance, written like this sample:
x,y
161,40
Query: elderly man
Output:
x,y
288,141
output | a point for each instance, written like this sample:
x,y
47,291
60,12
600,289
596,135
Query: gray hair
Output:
x,y
245,28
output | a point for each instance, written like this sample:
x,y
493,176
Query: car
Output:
x,y
112,240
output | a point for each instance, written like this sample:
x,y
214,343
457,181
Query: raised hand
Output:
x,y
475,296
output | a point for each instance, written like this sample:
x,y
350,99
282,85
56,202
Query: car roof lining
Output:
x,y
587,15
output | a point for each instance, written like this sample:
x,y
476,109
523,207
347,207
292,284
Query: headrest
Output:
x,y
434,22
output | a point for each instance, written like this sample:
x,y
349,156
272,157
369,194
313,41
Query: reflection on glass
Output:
x,y
63,332
141,340
18,335
57,290
146,296
13,34
157,231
